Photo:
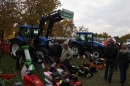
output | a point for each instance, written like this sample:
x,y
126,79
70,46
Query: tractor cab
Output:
x,y
85,38
28,33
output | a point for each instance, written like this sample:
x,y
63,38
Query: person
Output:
x,y
116,64
110,54
16,29
58,49
123,63
55,51
66,55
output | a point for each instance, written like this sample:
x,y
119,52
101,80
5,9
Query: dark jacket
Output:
x,y
111,52
55,51
122,57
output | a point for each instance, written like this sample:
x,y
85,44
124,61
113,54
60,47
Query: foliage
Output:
x,y
104,35
30,11
83,29
24,11
7,11
63,28
118,38
34,9
124,37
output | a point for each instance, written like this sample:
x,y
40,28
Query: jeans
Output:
x,y
123,68
110,63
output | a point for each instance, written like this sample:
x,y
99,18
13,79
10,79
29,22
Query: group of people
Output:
x,y
60,51
115,55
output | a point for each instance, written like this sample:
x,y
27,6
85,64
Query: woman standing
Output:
x,y
123,63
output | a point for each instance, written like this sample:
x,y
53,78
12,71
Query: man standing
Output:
x,y
55,51
110,55
66,54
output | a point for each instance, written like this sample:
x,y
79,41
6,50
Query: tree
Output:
x,y
7,8
124,37
83,29
24,11
105,35
60,28
34,9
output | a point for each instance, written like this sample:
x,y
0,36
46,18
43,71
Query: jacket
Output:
x,y
66,54
111,52
122,57
55,51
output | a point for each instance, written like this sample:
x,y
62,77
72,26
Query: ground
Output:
x,y
96,80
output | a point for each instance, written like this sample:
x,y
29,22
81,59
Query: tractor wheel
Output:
x,y
76,49
41,51
14,46
97,53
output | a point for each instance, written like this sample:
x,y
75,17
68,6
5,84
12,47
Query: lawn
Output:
x,y
96,80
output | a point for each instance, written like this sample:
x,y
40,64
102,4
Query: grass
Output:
x,y
96,80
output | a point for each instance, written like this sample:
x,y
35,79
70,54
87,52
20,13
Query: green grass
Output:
x,y
96,80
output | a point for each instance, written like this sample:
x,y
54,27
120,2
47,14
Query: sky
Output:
x,y
110,16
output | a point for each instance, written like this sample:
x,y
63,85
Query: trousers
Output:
x,y
110,64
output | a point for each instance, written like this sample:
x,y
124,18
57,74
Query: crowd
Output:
x,y
116,56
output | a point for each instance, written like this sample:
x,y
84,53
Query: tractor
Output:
x,y
26,34
85,42
29,32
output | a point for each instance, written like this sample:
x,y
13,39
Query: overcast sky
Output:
x,y
111,16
